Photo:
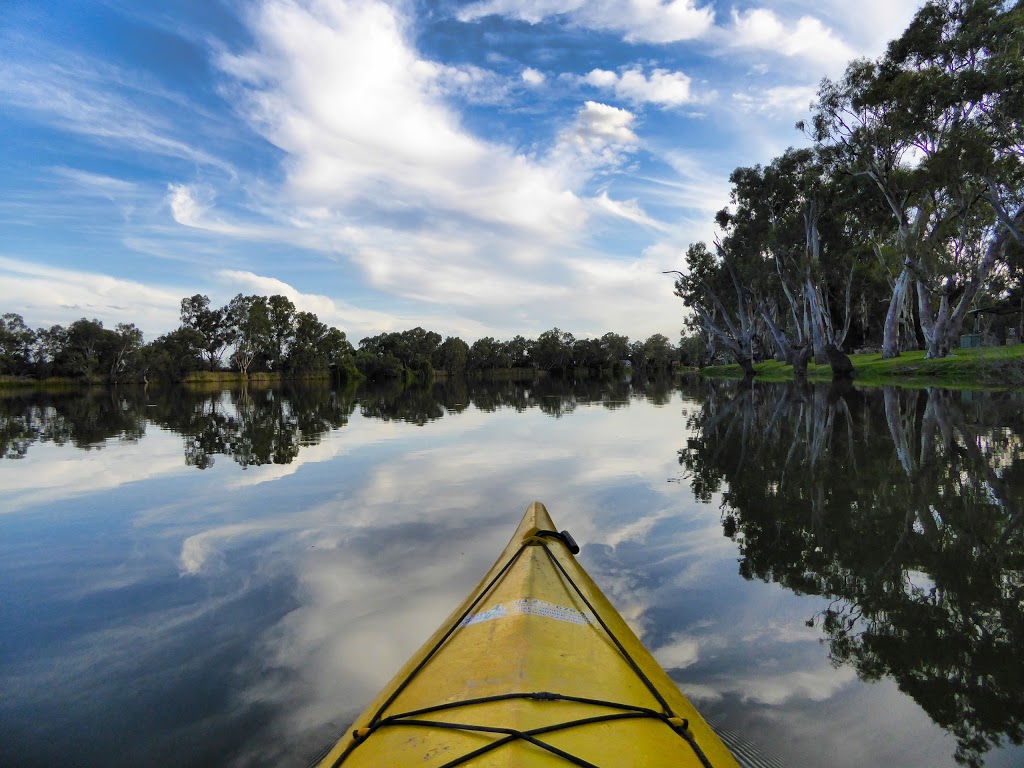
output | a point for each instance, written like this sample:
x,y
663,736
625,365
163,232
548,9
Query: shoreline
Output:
x,y
980,368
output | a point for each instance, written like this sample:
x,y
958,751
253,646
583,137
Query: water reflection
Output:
x,y
260,425
904,509
229,617
82,418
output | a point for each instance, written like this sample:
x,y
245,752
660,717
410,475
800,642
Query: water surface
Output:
x,y
226,578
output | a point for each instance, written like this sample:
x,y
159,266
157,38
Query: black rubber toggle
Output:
x,y
565,537
570,542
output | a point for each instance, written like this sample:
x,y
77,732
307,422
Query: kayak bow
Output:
x,y
535,668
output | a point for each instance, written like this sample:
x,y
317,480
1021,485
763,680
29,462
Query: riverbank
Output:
x,y
984,367
196,378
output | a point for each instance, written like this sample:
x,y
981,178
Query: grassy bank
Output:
x,y
196,378
54,382
964,369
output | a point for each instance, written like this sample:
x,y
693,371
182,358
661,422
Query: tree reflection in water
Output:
x,y
904,508
261,425
83,418
253,426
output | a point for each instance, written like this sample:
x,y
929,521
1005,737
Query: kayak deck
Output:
x,y
535,668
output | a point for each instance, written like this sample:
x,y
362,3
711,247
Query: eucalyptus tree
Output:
x,y
721,303
46,349
16,340
451,355
518,350
421,344
934,125
553,350
615,348
314,346
173,355
786,215
282,314
127,344
588,354
486,354
658,351
252,330
211,323
89,348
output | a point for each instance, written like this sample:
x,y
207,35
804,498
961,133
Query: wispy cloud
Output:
x,y
96,183
52,295
627,209
779,99
650,21
103,104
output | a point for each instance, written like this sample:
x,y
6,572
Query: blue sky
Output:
x,y
484,168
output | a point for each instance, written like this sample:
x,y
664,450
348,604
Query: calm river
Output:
x,y
208,579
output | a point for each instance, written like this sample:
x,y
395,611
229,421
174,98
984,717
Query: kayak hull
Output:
x,y
534,668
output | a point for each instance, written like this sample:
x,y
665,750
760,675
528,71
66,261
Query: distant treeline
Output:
x,y
259,334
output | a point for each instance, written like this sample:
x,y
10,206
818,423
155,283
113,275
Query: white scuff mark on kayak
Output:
x,y
529,607
497,612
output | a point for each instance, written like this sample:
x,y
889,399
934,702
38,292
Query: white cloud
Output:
x,y
627,209
101,103
641,21
53,473
355,321
46,295
784,99
601,136
338,87
661,87
380,171
869,24
808,38
678,653
468,82
533,76
95,183
774,689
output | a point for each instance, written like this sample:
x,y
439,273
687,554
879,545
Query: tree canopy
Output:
x,y
905,213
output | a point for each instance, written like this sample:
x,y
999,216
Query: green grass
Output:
x,y
54,382
234,377
984,367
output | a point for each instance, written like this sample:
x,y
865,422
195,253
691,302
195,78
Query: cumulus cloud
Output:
x,y
661,87
340,89
808,38
533,76
640,21
601,136
468,82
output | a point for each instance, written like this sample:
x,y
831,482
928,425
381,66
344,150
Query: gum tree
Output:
x,y
934,127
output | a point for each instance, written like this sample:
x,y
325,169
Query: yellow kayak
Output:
x,y
535,668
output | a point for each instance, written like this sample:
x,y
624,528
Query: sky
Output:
x,y
485,168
